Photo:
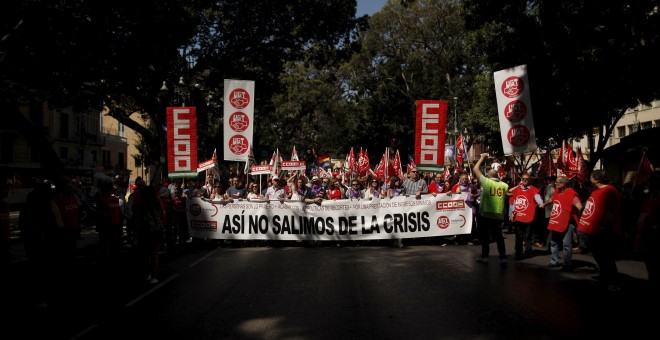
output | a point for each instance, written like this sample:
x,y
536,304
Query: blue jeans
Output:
x,y
566,239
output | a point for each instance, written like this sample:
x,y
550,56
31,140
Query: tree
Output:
x,y
89,56
411,50
269,43
588,61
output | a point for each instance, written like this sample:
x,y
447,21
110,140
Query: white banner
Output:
x,y
333,220
514,108
238,119
261,170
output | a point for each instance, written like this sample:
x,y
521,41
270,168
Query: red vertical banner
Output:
x,y
181,139
430,133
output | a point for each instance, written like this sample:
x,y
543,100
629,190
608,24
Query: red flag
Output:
x,y
581,166
567,156
546,167
379,170
350,166
411,165
354,163
572,169
363,163
644,172
396,166
446,174
294,154
560,158
460,149
503,170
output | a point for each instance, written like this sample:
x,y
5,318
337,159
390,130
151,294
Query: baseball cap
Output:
x,y
275,178
315,178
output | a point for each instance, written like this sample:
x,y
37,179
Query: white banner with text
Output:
x,y
333,220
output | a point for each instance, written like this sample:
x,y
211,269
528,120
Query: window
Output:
x,y
64,153
632,129
106,159
647,125
621,131
120,130
64,125
94,156
120,161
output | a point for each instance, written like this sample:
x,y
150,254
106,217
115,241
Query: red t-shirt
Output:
x,y
600,203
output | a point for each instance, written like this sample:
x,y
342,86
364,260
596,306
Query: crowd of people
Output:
x,y
557,215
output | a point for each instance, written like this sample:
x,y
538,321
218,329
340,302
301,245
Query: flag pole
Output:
x,y
639,167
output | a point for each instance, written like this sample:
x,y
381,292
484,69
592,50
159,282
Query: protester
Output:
x,y
69,206
4,225
526,198
647,240
414,185
108,224
601,222
395,188
372,192
566,205
541,234
275,192
180,219
464,186
354,192
334,191
237,191
253,193
39,221
438,186
493,195
149,215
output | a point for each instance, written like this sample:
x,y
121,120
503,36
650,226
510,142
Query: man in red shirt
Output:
x,y
565,207
601,222
438,186
526,198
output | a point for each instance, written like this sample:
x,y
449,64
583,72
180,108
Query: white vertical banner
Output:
x,y
238,118
514,109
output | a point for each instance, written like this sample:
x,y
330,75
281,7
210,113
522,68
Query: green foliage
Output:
x,y
588,61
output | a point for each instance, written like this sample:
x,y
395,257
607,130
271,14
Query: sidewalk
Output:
x,y
90,238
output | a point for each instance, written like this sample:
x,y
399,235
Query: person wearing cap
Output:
x,y
275,192
316,187
493,195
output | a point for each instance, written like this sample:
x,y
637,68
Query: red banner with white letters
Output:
x,y
181,139
430,134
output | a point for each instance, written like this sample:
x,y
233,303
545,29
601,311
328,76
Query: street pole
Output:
x,y
455,130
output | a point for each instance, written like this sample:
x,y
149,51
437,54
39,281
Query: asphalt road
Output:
x,y
424,291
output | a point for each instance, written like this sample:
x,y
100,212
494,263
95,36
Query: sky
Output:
x,y
369,7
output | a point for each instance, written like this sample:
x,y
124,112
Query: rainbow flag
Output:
x,y
323,160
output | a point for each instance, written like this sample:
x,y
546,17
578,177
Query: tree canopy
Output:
x,y
325,78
